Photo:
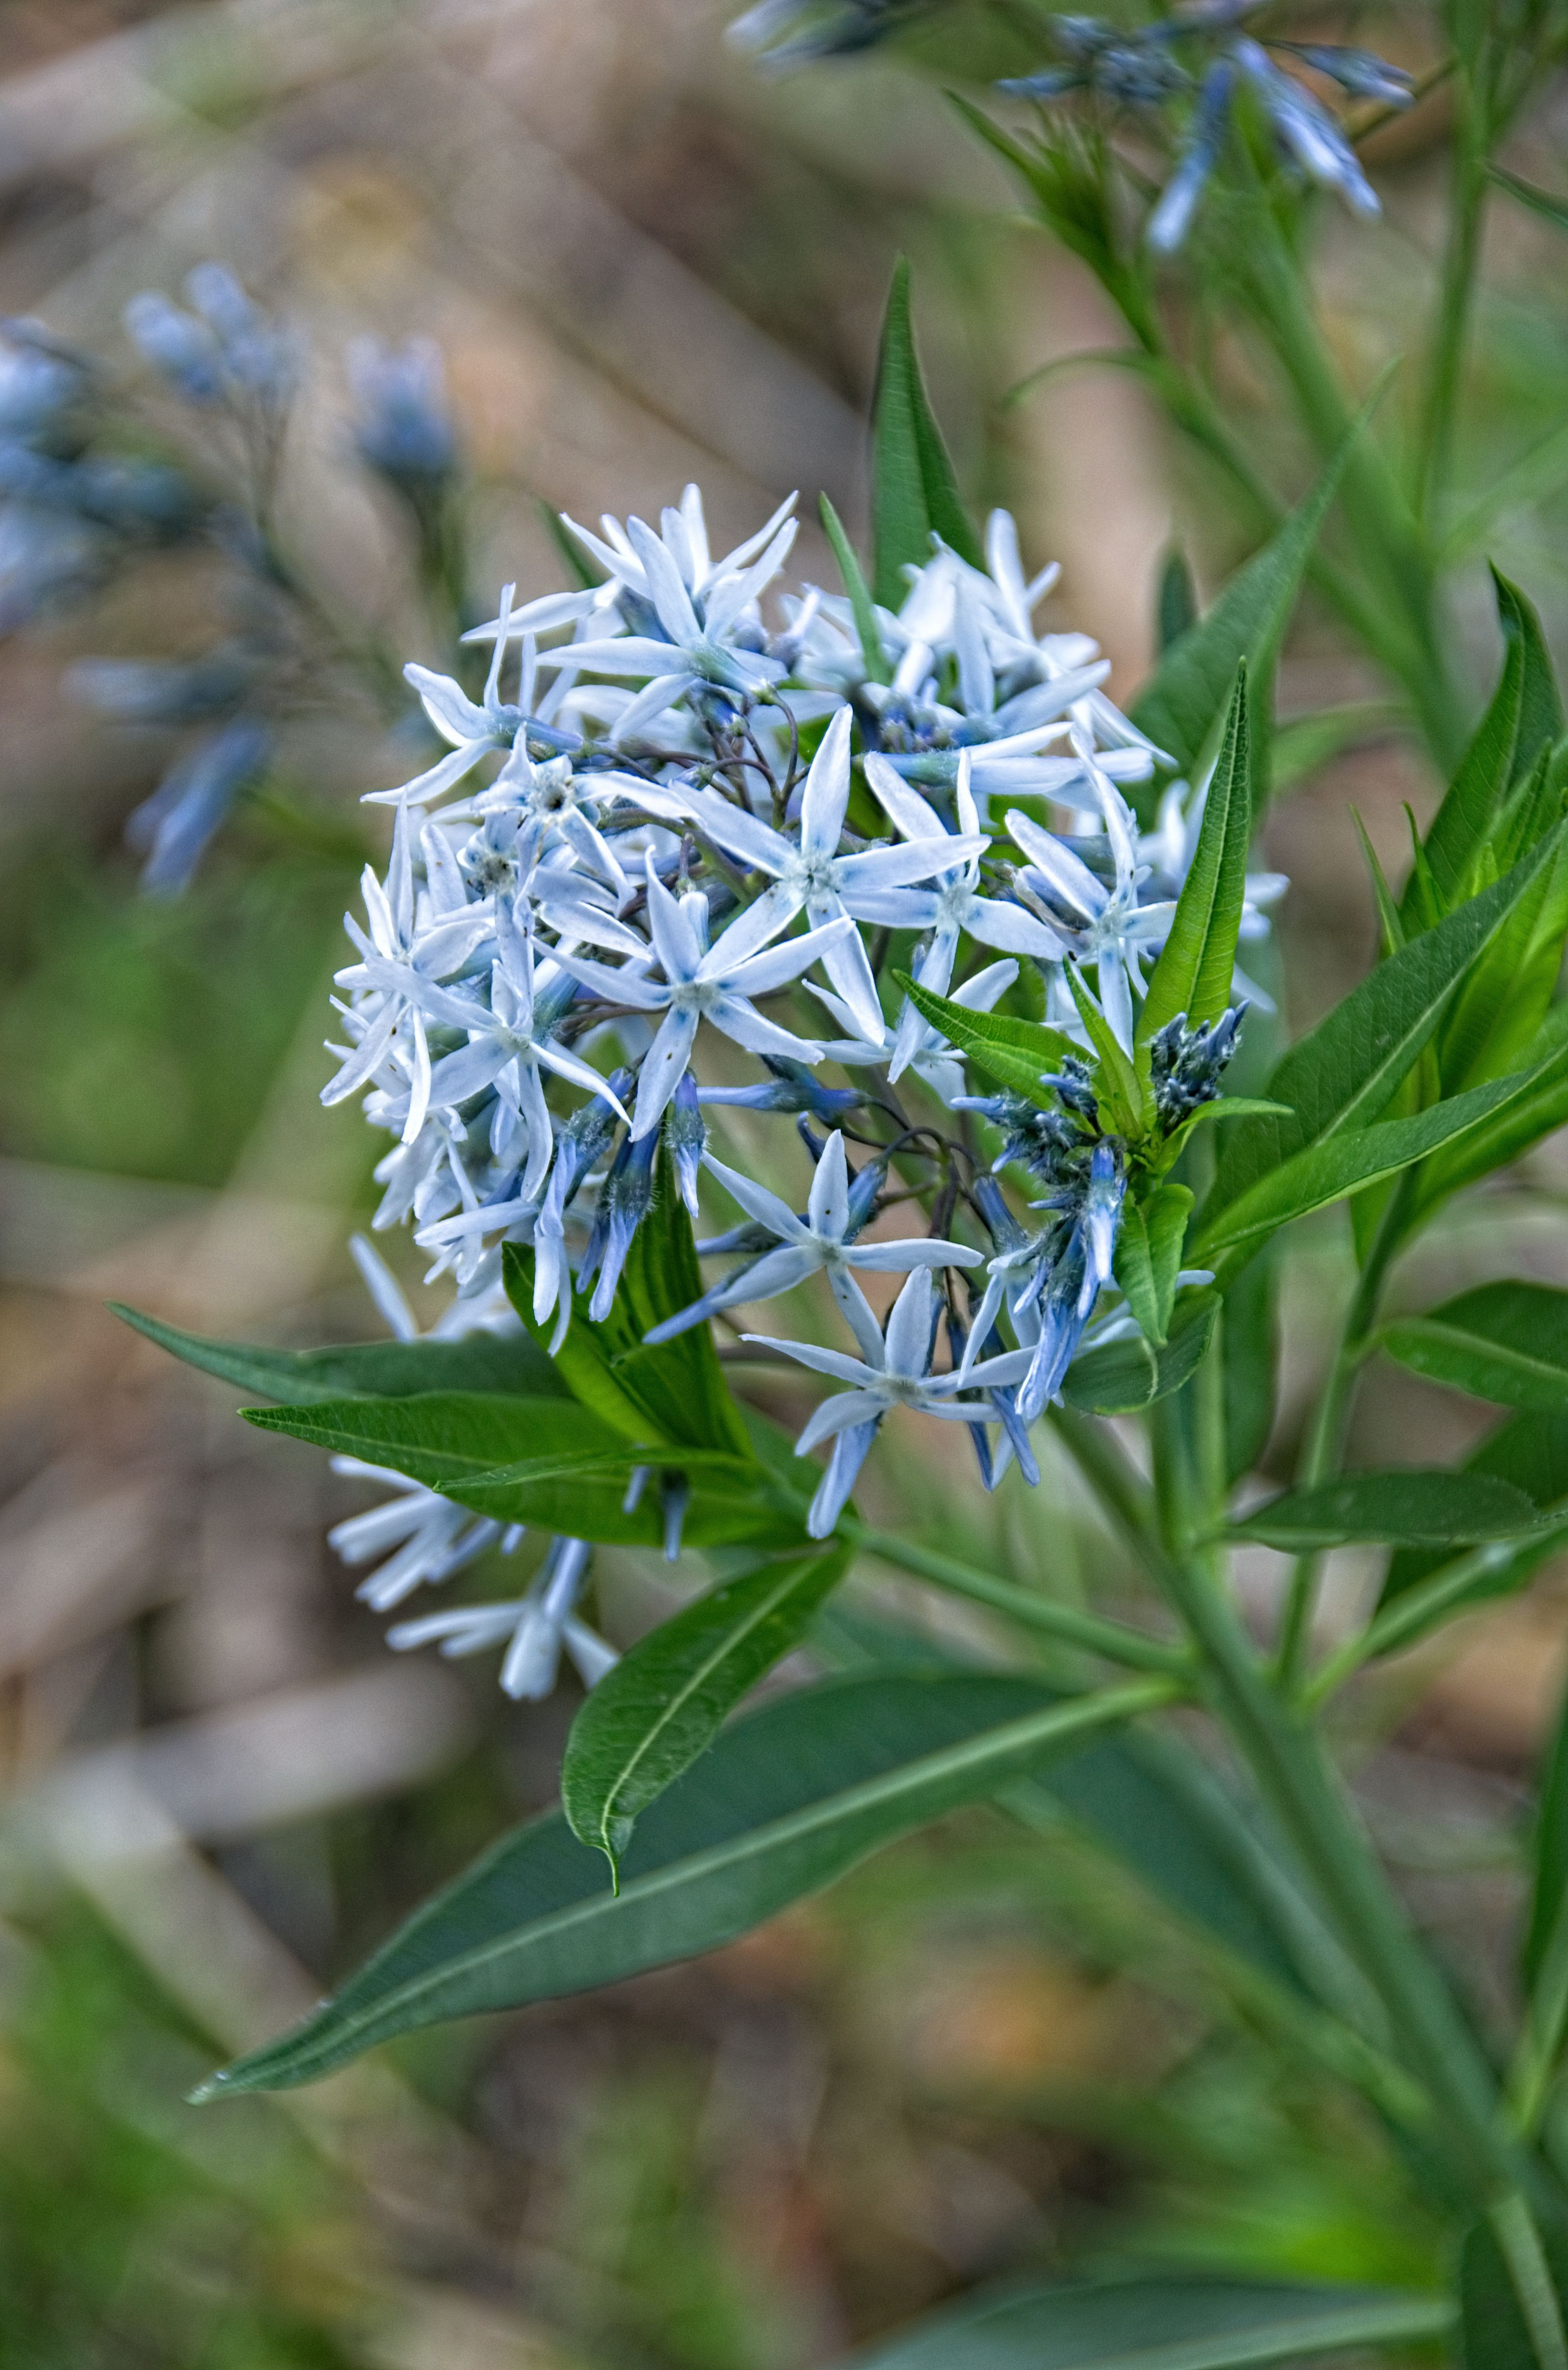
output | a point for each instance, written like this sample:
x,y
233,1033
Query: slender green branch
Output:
x,y
1410,1616
1530,2275
1540,2043
1121,1490
1469,186
1112,1639
1295,1778
1325,1439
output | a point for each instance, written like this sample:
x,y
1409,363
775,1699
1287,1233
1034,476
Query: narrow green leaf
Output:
x,y
1157,1808
1525,715
786,1801
675,1393
1175,604
1513,2279
1531,1453
1548,1853
583,570
1128,1097
1303,745
1121,1377
914,493
440,1437
1505,999
1149,1256
1391,928
665,1701
1342,1164
1181,706
1524,1118
1193,972
1168,2322
1016,1053
1410,1508
861,608
393,1369
1344,1074
1507,1342
548,1463
1539,201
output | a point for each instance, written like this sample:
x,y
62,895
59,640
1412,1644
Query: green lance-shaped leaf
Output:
x,y
1197,960
1149,1256
1181,705
665,1701
914,493
1122,1087
861,608
1523,1120
1507,1342
1512,2281
1174,2321
1157,1808
675,1393
1414,1508
392,1369
786,1801
1342,1165
1524,716
1121,1377
1508,995
1344,1074
1016,1053
1176,602
547,1463
1530,1454
1548,1853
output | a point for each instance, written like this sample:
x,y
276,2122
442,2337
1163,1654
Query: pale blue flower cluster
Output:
x,y
687,804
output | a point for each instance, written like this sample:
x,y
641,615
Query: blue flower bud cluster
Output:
x,y
1184,71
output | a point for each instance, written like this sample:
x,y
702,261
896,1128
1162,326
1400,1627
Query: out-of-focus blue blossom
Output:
x,y
1195,60
227,349
172,829
785,33
403,427
68,510
166,691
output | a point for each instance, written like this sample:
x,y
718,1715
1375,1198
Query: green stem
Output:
x,y
1391,548
1294,1777
1111,1639
1459,283
1530,2275
1530,2081
1408,1617
1121,1490
1325,1439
